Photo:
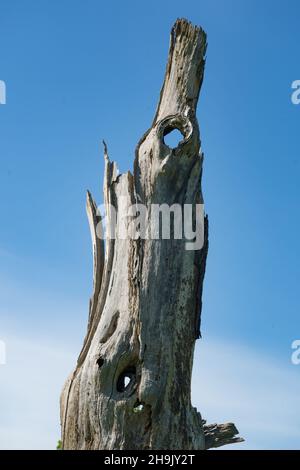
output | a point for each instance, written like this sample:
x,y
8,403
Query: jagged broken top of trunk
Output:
x,y
131,387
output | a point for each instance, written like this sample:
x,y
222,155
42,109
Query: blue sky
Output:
x,y
80,71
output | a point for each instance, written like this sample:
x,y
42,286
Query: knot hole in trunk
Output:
x,y
175,131
127,380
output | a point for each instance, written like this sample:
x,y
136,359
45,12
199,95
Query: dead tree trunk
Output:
x,y
131,388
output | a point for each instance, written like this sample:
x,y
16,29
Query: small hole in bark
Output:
x,y
172,137
126,379
138,407
100,361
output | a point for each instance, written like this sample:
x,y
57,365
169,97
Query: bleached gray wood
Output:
x,y
218,435
146,303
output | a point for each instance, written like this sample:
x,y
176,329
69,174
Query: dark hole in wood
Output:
x,y
100,361
126,379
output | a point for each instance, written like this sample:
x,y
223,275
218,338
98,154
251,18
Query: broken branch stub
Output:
x,y
131,388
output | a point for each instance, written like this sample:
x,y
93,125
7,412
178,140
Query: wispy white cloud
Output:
x,y
30,385
230,383
260,395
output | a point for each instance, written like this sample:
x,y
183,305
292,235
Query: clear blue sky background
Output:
x,y
78,71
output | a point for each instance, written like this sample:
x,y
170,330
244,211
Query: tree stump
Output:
x,y
131,388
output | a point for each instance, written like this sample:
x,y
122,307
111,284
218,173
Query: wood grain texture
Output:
x,y
146,303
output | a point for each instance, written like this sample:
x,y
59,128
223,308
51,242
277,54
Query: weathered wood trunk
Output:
x,y
131,388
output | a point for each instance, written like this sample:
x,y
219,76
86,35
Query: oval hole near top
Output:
x,y
172,137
